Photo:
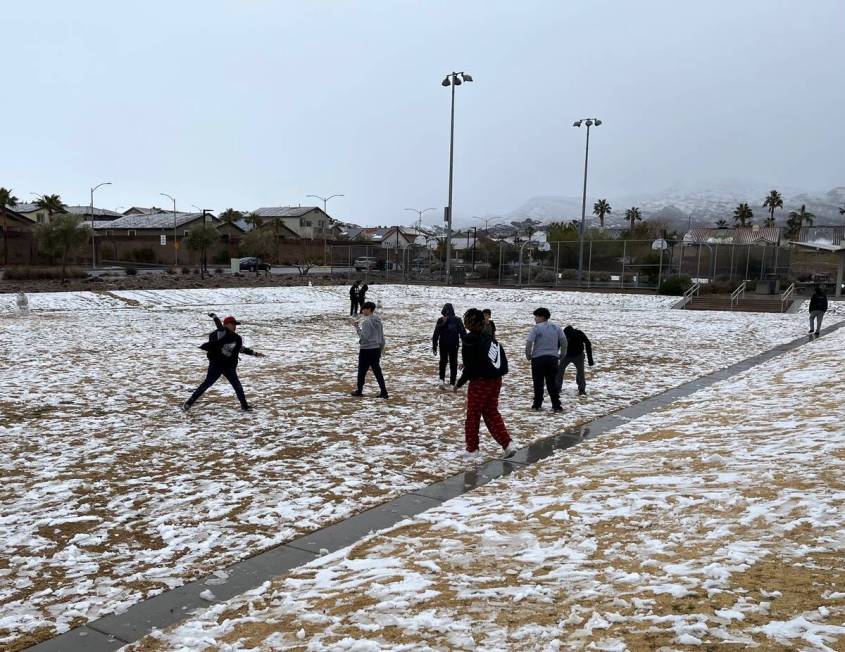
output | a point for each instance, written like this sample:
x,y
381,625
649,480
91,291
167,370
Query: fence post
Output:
x,y
747,259
624,253
500,263
715,258
557,261
589,263
733,246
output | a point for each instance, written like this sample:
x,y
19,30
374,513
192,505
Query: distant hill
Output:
x,y
681,207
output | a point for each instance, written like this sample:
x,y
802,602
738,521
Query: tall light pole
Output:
x,y
589,122
175,248
325,201
453,79
419,213
93,243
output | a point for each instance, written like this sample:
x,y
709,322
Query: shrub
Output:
x,y
675,285
143,255
25,273
544,276
218,271
131,271
171,270
186,270
221,258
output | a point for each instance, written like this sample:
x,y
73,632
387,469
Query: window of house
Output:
x,y
307,222
301,222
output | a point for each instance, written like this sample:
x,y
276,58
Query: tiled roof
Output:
x,y
154,221
24,208
283,211
86,210
739,236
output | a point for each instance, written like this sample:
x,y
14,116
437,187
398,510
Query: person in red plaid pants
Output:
x,y
484,365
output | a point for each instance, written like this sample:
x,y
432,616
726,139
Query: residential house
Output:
x,y
309,222
100,214
150,238
392,237
32,212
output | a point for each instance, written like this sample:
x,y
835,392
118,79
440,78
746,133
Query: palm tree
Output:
x,y
633,215
254,220
52,204
6,199
602,208
770,221
230,215
722,224
743,215
773,201
842,211
802,215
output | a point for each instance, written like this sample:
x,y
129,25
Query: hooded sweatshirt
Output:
x,y
576,342
449,330
818,301
371,333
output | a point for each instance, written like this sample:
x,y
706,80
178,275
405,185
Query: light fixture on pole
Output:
x,y
325,199
175,247
452,79
419,213
589,122
93,243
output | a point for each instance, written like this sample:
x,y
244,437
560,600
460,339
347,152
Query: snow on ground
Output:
x,y
719,520
111,494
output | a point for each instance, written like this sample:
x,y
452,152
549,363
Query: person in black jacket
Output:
x,y
818,306
448,333
223,347
484,365
353,299
576,342
362,295
489,324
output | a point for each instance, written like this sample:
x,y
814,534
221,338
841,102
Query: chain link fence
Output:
x,y
613,263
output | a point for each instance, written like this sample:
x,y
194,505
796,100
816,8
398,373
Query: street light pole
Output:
x,y
325,201
175,248
589,122
419,213
453,79
93,242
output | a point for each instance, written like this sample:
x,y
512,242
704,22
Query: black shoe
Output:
x,y
559,408
186,406
817,332
356,393
383,395
811,330
582,392
536,408
246,407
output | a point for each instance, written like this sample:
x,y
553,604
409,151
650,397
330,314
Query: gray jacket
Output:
x,y
371,333
545,338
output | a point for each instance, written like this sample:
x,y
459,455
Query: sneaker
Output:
x,y
582,392
811,330
559,408
186,406
536,408
246,407
356,393
383,395
474,456
509,451
817,332
442,385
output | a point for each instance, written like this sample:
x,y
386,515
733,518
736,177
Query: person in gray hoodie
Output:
x,y
543,348
371,342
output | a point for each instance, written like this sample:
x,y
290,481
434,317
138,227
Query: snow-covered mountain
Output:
x,y
682,205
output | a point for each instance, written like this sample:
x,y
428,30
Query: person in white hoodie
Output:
x,y
543,348
371,343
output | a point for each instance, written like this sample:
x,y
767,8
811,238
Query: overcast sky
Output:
x,y
260,103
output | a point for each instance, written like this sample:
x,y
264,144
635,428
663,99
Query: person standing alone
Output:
x,y
818,306
576,343
543,347
222,348
485,364
353,299
448,333
371,345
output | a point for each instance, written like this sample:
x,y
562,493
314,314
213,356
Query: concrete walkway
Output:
x,y
171,607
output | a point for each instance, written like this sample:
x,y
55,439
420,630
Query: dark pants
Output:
x,y
214,372
544,371
369,359
353,307
578,361
450,356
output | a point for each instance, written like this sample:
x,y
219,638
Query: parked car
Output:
x,y
253,264
365,262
